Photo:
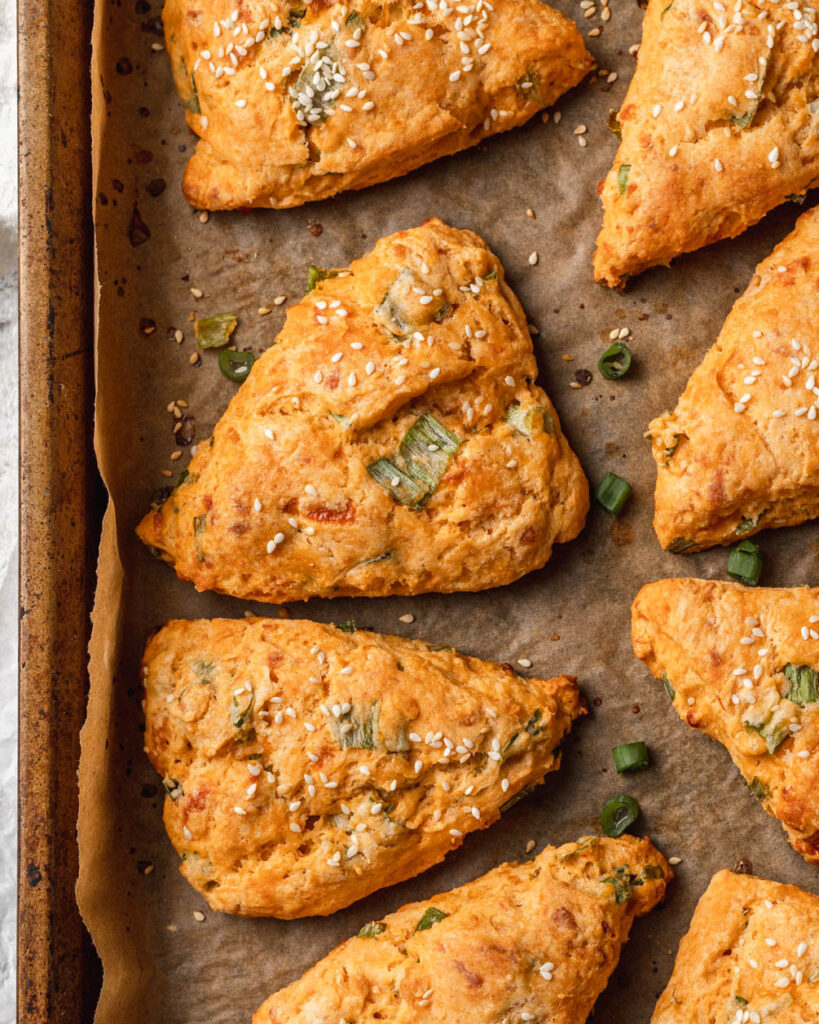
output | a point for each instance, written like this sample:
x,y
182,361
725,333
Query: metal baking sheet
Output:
x,y
60,502
573,616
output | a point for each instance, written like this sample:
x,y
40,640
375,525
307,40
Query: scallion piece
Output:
x,y
613,492
623,172
525,421
745,563
631,757
615,361
372,930
427,448
413,473
803,684
618,814
401,486
235,365
214,331
316,274
431,916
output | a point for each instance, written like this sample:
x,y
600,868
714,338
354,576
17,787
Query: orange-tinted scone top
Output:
x,y
392,441
527,942
751,956
720,124
295,102
740,453
306,766
742,665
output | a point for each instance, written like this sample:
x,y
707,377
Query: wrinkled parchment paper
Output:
x,y
161,964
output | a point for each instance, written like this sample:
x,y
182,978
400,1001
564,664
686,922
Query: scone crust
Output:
x,y
722,648
411,84
696,171
752,948
307,766
289,459
489,959
740,453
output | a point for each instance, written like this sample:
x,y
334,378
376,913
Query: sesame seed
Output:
x,y
533,259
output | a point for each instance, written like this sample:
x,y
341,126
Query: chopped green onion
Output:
x,y
618,814
745,563
613,124
316,274
358,728
173,787
214,331
371,930
631,757
400,312
413,473
615,361
346,627
758,788
401,486
680,544
622,177
803,684
669,689
431,916
235,365
525,421
427,448
612,493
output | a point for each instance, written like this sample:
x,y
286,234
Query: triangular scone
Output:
x,y
525,942
307,766
720,124
742,665
750,956
391,441
295,102
740,453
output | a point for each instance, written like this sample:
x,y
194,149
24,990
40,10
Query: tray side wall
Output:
x,y
58,501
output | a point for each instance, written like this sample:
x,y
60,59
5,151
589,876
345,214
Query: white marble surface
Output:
x,y
8,505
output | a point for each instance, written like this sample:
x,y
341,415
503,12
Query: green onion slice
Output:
x,y
527,421
745,563
803,684
615,361
394,480
413,473
631,757
316,274
613,492
669,689
618,814
214,331
372,930
431,916
622,177
235,365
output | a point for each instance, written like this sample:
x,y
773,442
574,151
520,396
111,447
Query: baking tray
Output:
x,y
60,502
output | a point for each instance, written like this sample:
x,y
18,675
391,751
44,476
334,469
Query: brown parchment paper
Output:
x,y
162,965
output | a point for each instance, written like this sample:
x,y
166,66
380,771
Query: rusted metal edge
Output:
x,y
60,504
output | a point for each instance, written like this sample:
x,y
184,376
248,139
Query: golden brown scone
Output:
x,y
740,453
307,766
720,124
525,942
741,664
750,956
295,102
391,441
